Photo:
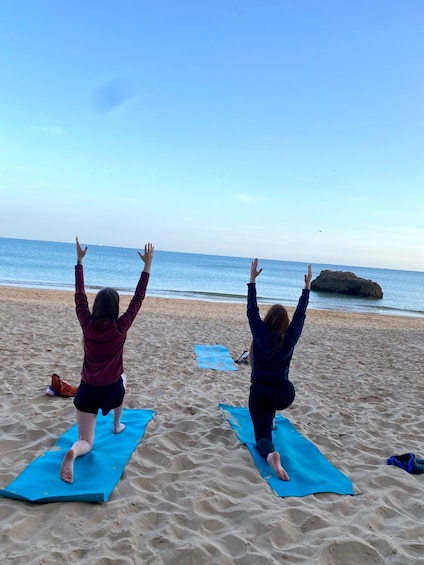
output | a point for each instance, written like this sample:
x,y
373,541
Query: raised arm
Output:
x,y
298,319
128,317
255,322
83,312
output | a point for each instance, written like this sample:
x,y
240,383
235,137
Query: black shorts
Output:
x,y
90,398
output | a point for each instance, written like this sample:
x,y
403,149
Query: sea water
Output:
x,y
50,265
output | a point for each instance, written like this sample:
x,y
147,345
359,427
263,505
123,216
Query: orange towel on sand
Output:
x,y
61,387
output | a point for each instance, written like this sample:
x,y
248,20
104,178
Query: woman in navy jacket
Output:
x,y
273,343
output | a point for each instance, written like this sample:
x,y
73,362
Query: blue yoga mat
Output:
x,y
214,357
95,474
308,469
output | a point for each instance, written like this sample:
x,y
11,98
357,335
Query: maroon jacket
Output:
x,y
104,341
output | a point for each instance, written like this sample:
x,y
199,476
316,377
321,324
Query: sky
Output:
x,y
278,129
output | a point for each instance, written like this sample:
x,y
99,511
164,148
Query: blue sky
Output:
x,y
282,129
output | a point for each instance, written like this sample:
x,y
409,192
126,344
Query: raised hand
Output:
x,y
147,258
254,272
80,251
308,278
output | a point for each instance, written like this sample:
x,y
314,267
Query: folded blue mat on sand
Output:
x,y
95,474
214,357
308,469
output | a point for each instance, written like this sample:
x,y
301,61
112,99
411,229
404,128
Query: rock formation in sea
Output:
x,y
345,282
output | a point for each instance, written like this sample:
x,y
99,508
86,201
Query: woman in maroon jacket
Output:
x,y
102,377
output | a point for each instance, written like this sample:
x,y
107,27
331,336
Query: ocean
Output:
x,y
50,265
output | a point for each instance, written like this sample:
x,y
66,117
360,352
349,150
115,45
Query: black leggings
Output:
x,y
264,400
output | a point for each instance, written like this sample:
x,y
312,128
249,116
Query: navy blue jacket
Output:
x,y
266,368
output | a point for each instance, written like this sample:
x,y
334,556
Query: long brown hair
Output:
x,y
276,320
106,305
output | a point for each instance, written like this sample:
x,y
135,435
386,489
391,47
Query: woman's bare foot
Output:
x,y
274,460
119,428
67,467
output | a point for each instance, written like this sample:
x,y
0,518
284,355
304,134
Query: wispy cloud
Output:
x,y
243,197
50,130
48,186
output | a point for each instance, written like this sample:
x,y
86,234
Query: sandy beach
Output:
x,y
190,494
